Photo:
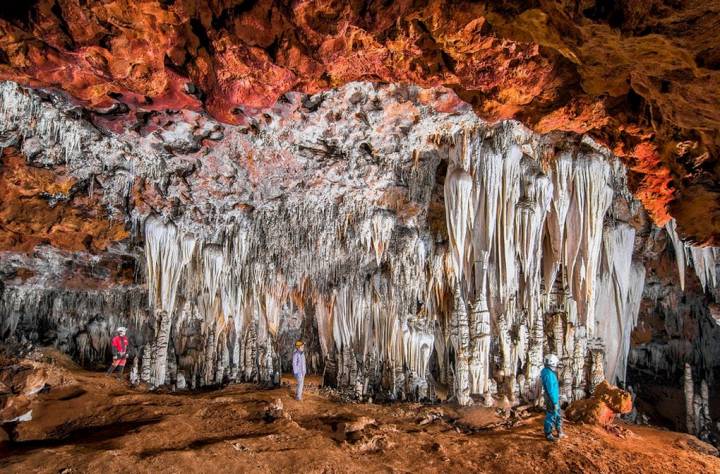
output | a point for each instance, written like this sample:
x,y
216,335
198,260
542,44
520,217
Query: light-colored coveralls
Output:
x,y
299,370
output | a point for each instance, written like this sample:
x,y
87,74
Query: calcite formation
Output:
x,y
419,252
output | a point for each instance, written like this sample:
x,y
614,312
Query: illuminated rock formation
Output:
x,y
412,248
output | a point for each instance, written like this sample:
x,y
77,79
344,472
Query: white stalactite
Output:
x,y
680,252
703,260
458,200
617,300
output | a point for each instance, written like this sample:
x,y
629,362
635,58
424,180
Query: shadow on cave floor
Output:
x,y
199,443
95,437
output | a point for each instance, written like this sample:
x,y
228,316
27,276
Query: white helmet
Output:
x,y
121,329
552,361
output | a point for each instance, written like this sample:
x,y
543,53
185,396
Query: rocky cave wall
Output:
x,y
420,251
672,363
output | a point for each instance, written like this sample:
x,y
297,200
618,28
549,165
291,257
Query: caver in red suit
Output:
x,y
120,351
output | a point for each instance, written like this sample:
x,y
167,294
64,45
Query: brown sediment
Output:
x,y
97,424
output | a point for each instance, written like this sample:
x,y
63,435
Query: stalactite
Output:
x,y
615,307
458,192
680,251
167,255
561,174
703,260
591,199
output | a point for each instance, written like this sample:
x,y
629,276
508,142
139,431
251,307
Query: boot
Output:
x,y
550,438
110,370
120,374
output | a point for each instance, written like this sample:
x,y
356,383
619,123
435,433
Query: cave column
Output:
x,y
460,337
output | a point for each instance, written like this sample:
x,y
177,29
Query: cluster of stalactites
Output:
x,y
53,133
514,229
703,259
619,293
240,290
529,266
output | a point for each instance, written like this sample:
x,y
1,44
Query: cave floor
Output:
x,y
101,424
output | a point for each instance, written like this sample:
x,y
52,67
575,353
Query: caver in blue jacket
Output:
x,y
551,387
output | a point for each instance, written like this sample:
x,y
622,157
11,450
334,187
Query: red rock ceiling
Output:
x,y
642,76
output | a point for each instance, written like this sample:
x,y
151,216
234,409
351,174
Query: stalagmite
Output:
x,y
597,369
705,424
479,321
135,371
160,349
460,337
689,390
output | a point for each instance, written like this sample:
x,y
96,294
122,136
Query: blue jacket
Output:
x,y
298,363
551,387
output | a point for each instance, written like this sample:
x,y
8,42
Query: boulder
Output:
x,y
605,404
354,430
617,399
274,410
21,381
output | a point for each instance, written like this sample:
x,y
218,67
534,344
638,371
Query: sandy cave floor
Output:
x,y
102,425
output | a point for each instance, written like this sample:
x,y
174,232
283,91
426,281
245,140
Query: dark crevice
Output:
x,y
228,15
199,30
64,27
19,13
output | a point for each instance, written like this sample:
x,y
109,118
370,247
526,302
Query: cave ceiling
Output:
x,y
640,76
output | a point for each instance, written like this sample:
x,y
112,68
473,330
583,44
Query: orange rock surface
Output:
x,y
640,76
42,206
605,404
